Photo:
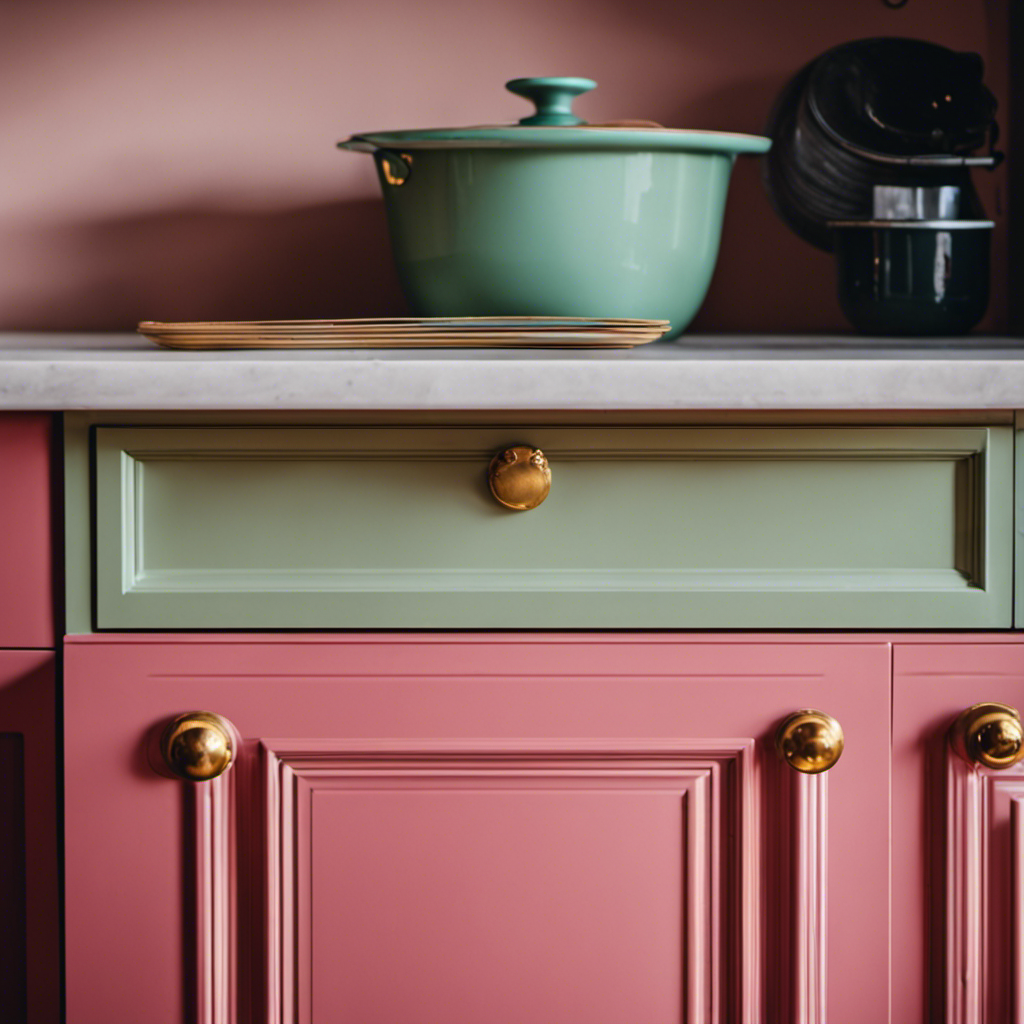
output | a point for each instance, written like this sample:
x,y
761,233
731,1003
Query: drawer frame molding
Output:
x,y
972,592
717,786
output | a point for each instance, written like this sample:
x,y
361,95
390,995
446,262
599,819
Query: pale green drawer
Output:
x,y
681,528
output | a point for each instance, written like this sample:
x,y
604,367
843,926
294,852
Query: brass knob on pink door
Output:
x,y
520,477
989,735
810,741
199,746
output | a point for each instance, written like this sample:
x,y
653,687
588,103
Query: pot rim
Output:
x,y
575,139
942,225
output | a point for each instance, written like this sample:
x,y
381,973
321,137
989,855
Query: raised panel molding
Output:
x,y
723,889
809,898
715,782
968,570
13,952
1017,904
724,971
983,904
216,908
342,570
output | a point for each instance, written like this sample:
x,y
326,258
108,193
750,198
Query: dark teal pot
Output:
x,y
913,277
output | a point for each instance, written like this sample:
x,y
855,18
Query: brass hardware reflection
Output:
x,y
520,477
810,741
396,167
990,735
198,746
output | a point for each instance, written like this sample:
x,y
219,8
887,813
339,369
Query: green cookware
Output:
x,y
553,216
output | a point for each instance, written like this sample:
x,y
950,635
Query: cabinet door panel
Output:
x,y
532,829
26,582
956,839
29,898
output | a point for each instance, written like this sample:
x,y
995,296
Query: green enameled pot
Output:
x,y
554,217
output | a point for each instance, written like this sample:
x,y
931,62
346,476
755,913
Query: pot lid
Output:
x,y
554,126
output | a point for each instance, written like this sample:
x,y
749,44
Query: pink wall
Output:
x,y
175,160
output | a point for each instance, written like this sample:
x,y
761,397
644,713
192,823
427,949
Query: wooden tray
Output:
x,y
408,332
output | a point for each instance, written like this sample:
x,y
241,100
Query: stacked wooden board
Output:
x,y
408,332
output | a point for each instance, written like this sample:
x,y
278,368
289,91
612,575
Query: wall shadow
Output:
x,y
767,280
204,263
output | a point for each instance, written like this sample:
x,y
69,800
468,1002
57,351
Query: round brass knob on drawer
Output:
x,y
520,477
198,746
990,735
810,741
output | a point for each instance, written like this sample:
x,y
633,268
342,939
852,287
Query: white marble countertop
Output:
x,y
127,372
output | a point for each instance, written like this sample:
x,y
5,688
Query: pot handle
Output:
x,y
553,98
395,168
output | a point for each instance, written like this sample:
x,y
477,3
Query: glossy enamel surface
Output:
x,y
913,278
553,98
554,125
484,232
579,139
512,829
645,527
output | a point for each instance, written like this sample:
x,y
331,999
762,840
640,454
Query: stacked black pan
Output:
x,y
868,133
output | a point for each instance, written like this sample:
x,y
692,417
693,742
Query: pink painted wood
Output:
x,y
507,818
955,912
532,828
810,905
29,897
1017,909
215,902
26,588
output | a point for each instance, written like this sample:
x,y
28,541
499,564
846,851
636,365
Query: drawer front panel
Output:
x,y
346,527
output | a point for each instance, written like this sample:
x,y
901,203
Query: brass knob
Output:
x,y
198,746
990,735
810,741
520,477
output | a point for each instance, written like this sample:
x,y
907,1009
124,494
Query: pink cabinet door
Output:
x,y
29,898
958,840
26,588
458,830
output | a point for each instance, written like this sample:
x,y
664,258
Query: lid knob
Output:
x,y
553,98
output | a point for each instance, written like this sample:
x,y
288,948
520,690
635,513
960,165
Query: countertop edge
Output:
x,y
89,376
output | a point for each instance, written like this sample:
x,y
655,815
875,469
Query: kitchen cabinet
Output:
x,y
498,821
957,835
511,828
29,895
26,531
520,826
541,827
